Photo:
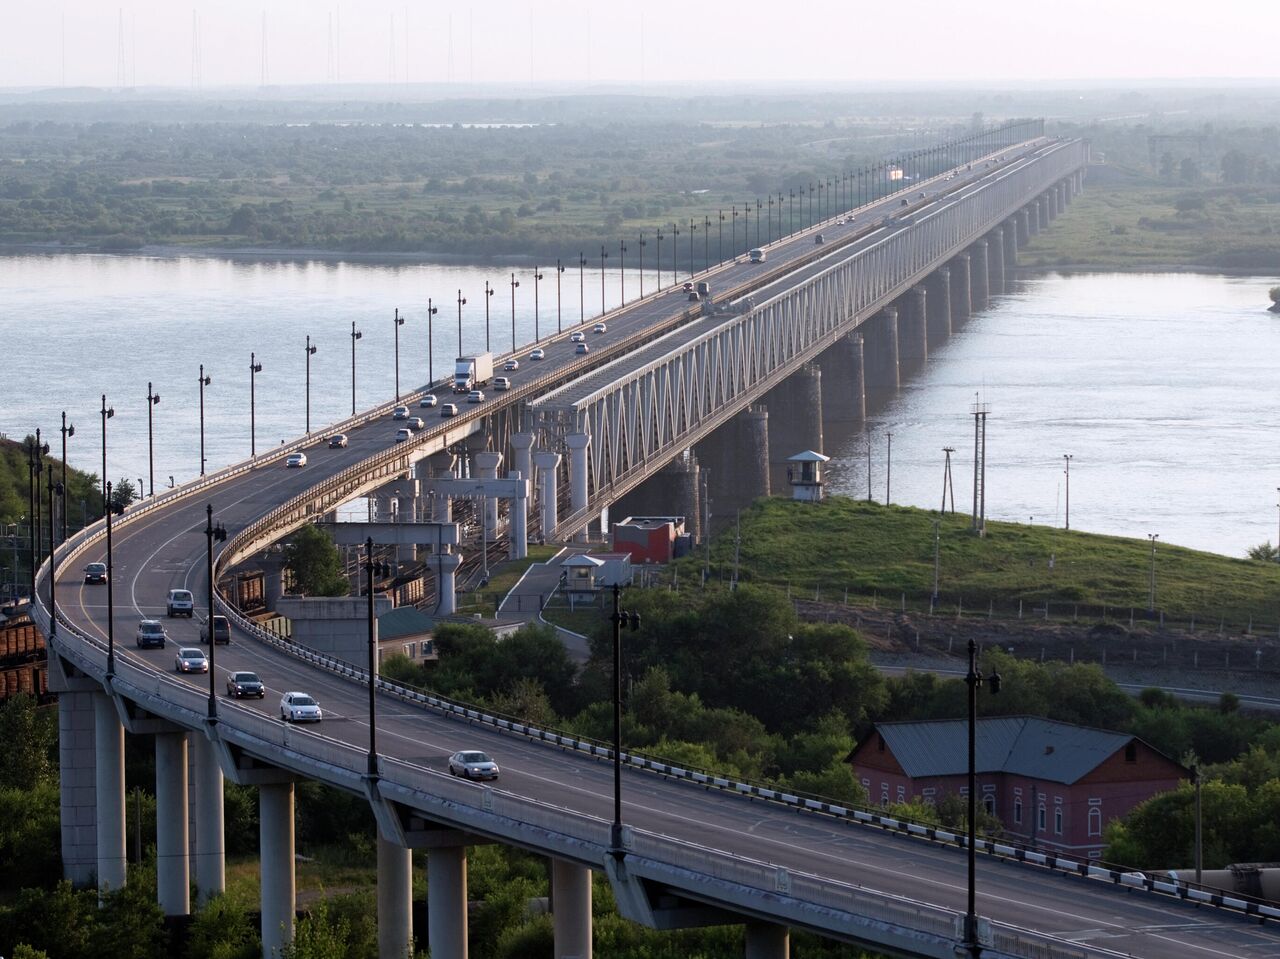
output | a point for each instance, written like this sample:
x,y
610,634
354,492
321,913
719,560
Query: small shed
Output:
x,y
804,473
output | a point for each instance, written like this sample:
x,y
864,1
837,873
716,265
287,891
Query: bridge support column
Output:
x,y
1032,211
682,481
995,261
446,566
578,444
980,276
961,304
766,940
275,845
938,305
522,457
441,467
548,463
1055,195
1022,221
882,370
447,902
754,435
406,511
807,392
108,741
518,518
173,869
77,768
913,329
487,468
395,900
571,909
210,847
1010,251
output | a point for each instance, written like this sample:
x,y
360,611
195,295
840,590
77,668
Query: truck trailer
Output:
x,y
472,372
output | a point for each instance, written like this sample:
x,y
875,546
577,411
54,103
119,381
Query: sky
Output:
x,y
658,44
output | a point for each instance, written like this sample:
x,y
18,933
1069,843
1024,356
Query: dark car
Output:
x,y
151,634
242,685
221,630
95,573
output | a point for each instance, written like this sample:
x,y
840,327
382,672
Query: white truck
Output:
x,y
471,372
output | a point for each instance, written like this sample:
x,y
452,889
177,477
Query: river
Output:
x,y
1160,386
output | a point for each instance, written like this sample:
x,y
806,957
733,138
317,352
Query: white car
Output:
x,y
472,764
180,603
296,459
599,328
428,401
191,660
511,365
577,336
538,354
449,409
416,422
501,383
338,441
403,434
400,413
475,396
298,707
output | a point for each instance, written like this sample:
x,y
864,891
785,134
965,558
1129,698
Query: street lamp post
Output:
x,y
720,247
310,351
107,413
397,322
462,301
111,604
55,489
659,258
488,292
604,255
355,335
1151,596
973,680
693,228
373,569
204,381
254,369
640,253
675,247
937,559
153,399
1066,458
622,268
514,283
432,310
582,287
211,534
68,430
632,620
559,274
733,231
706,242
537,330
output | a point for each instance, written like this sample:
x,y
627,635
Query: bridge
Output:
x,y
887,277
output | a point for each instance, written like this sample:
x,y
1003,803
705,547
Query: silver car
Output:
x,y
298,707
191,660
472,764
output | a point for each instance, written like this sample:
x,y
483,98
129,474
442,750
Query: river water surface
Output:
x,y
1162,387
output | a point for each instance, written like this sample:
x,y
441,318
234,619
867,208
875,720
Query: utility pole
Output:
x,y
888,468
979,411
937,549
870,499
1151,597
706,531
737,547
1066,458
946,480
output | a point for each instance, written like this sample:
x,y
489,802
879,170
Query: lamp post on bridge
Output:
x,y
355,335
153,399
693,228
310,351
204,380
107,413
632,620
604,255
432,310
1066,458
68,430
462,301
212,534
659,257
973,680
55,489
622,268
640,253
537,331
675,251
514,283
720,248
111,605
373,569
733,231
759,207
397,322
559,274
488,292
254,369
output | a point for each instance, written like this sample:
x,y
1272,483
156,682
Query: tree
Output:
x,y
28,744
315,563
123,492
1265,551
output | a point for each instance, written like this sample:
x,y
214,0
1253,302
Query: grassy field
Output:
x,y
1129,222
501,580
878,553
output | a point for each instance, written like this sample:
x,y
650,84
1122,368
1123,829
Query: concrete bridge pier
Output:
x,y
855,349
77,771
395,900
276,849
445,566
767,940
441,466
518,518
995,261
1010,251
980,276
806,385
522,457
406,511
938,304
1022,220
487,469
447,902
913,329
1032,211
1056,193
210,844
173,869
882,369
571,909
578,444
108,738
961,302
754,441
548,463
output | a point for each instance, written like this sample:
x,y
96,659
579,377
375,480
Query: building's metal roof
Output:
x,y
1021,745
808,456
404,621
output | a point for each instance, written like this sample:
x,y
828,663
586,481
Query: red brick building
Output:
x,y
1053,785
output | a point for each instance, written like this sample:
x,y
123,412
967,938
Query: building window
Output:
x,y
928,795
1131,752
866,784
989,804
1017,811
902,794
1057,821
1040,818
884,794
1095,821
411,650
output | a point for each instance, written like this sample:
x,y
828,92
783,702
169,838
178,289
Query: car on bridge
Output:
x,y
472,764
428,401
475,396
296,707
180,603
582,348
416,422
404,434
538,354
511,365
151,634
400,413
338,441
599,328
501,383
757,255
296,459
95,573
191,660
221,630
242,684
577,336
449,409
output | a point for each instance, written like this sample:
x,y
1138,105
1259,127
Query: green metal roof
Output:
x,y
404,621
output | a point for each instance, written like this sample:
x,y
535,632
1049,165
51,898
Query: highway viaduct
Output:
x,y
697,849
